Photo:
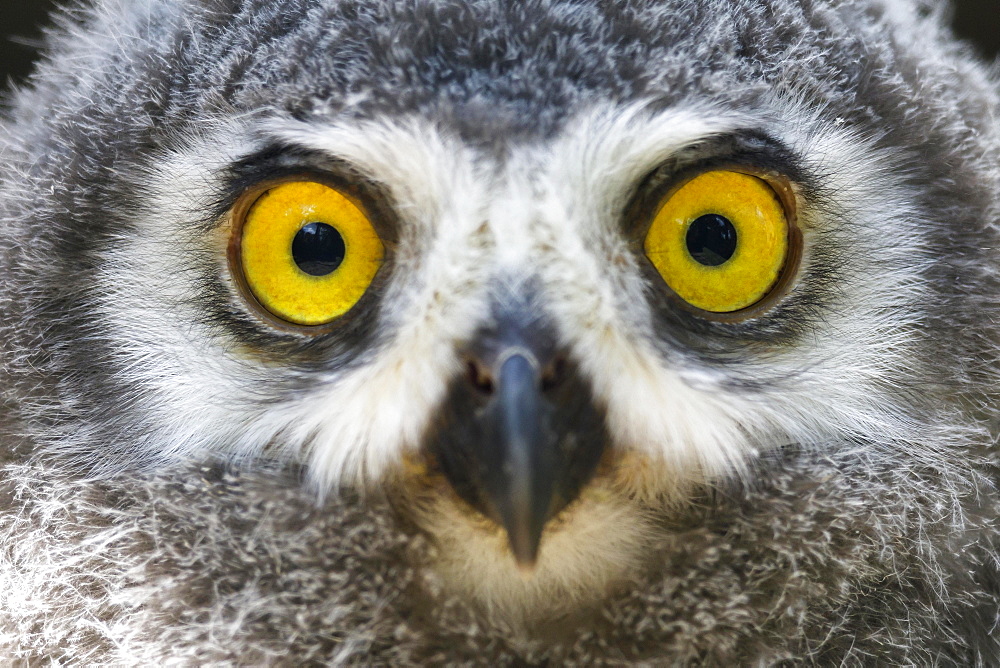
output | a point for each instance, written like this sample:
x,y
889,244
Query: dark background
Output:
x,y
975,20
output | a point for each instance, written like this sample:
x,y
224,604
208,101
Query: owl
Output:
x,y
549,332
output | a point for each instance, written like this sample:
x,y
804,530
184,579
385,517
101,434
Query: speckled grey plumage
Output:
x,y
827,560
853,552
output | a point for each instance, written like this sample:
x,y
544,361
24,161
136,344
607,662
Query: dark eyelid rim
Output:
x,y
233,217
769,161
278,163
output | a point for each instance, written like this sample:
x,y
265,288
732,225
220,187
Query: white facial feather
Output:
x,y
550,214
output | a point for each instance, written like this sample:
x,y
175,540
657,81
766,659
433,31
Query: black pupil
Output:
x,y
318,249
711,239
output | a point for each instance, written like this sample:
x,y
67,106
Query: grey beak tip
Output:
x,y
525,547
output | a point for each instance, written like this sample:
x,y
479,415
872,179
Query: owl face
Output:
x,y
511,321
552,279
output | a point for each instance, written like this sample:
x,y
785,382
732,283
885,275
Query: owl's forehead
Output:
x,y
514,70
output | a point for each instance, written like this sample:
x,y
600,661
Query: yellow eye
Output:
x,y
307,252
720,241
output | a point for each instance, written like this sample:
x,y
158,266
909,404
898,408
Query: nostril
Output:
x,y
553,374
480,377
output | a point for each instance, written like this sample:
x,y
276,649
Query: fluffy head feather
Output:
x,y
508,140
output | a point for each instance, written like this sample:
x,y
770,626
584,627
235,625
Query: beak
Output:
x,y
520,435
520,454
